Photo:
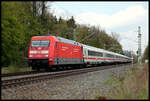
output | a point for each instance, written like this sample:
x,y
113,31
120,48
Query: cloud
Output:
x,y
59,12
130,15
129,40
126,21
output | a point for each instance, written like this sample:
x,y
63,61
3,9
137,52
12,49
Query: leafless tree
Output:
x,y
115,36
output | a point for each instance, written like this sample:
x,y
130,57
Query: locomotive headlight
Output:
x,y
46,55
50,59
44,51
30,55
32,52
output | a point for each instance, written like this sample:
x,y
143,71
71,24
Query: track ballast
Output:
x,y
38,78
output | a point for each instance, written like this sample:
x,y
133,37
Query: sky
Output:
x,y
120,17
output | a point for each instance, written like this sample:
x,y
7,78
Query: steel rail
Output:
x,y
20,73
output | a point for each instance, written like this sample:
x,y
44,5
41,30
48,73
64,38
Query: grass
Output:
x,y
107,82
133,86
114,79
14,69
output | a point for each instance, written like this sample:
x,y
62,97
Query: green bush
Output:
x,y
107,82
13,68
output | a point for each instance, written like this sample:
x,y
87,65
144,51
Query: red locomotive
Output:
x,y
50,51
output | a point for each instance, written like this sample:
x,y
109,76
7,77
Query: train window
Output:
x,y
40,43
44,43
35,43
109,55
93,53
99,54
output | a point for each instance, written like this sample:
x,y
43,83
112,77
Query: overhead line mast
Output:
x,y
139,46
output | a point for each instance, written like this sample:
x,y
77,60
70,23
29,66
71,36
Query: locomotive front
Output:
x,y
40,52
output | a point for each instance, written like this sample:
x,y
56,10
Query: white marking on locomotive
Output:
x,y
64,48
33,52
76,50
44,51
39,48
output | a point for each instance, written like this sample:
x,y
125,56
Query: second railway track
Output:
x,y
38,78
20,73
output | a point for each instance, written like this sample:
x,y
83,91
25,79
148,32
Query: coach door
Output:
x,y
84,52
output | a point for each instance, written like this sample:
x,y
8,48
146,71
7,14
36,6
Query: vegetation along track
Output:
x,y
33,79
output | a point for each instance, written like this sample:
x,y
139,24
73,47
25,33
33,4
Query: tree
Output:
x,y
60,20
115,36
71,23
12,36
18,25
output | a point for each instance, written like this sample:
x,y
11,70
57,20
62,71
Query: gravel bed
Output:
x,y
83,86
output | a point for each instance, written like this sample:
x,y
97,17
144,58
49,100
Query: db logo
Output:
x,y
39,48
39,52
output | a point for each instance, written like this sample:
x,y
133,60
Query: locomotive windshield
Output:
x,y
40,43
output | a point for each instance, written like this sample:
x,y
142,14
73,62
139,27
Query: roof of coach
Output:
x,y
64,40
102,50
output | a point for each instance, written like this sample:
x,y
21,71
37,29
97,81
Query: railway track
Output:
x,y
20,73
39,78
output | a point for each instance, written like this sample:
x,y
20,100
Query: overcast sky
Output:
x,y
120,17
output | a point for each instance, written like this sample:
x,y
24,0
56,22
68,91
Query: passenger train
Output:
x,y
52,51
